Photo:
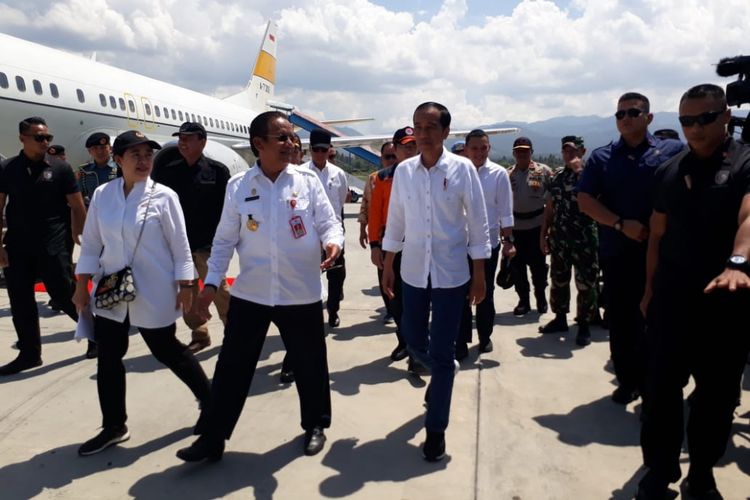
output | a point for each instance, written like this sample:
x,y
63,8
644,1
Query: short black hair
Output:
x,y
706,90
635,96
27,123
477,133
385,145
259,126
445,115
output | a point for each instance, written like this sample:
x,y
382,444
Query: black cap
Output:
x,y
55,149
129,139
458,147
572,140
667,133
97,139
189,128
404,135
522,143
319,138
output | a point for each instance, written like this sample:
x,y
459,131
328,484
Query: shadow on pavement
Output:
x,y
46,368
59,467
366,329
373,291
549,346
379,371
392,458
509,319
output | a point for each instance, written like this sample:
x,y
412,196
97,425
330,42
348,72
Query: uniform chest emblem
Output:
x,y
47,175
722,176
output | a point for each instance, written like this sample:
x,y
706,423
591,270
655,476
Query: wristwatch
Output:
x,y
618,225
738,262
509,239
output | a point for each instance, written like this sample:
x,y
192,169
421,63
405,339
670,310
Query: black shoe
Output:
x,y
203,448
623,395
286,377
485,346
557,325
314,441
541,303
54,305
653,487
522,308
92,351
201,426
20,364
700,486
434,446
107,437
462,350
399,352
415,367
333,320
584,335
387,319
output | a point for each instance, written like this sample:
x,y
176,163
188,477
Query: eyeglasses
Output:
x,y
41,137
282,137
389,157
632,113
701,119
320,150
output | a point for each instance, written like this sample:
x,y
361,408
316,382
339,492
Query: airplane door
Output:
x,y
133,110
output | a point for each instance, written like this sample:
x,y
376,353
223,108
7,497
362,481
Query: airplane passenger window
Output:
x,y
156,110
3,80
20,84
180,115
205,121
81,97
221,124
211,121
193,118
121,101
147,108
112,102
198,119
131,105
103,100
53,90
37,87
174,117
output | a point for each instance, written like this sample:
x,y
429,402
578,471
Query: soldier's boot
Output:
x,y
584,334
558,324
523,307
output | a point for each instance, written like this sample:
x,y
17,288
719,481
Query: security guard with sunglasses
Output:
x,y
40,196
696,297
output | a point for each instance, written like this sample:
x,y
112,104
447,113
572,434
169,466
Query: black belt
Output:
x,y
528,215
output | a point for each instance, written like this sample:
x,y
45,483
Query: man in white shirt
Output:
x,y
436,211
498,198
335,185
276,216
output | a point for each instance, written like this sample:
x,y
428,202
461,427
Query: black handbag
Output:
x,y
120,286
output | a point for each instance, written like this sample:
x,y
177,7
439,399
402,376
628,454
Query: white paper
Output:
x,y
85,326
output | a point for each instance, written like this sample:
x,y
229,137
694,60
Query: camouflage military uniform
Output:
x,y
573,242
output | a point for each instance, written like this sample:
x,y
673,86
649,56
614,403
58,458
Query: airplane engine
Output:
x,y
214,150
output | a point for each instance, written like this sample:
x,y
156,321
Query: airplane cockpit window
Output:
x,y
121,101
147,108
157,111
103,100
20,84
3,80
37,87
81,96
53,90
112,102
131,105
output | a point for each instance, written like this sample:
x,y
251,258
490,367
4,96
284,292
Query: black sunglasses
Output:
x,y
701,119
282,138
389,157
41,137
632,113
320,149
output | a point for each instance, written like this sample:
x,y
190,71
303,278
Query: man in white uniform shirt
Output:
x,y
498,198
335,185
435,213
276,216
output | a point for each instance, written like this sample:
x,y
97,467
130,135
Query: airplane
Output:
x,y
79,96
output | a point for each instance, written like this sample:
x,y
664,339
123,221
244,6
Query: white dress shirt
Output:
x,y
498,198
161,259
334,181
275,267
437,213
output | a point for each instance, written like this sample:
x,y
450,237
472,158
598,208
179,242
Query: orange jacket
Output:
x,y
378,211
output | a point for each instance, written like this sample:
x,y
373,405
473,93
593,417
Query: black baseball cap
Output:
x,y
190,128
319,138
572,140
129,139
522,143
404,136
97,139
55,149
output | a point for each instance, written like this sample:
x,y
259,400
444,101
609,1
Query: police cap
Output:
x,y
97,139
55,150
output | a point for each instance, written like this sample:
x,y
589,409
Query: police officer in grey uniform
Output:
x,y
100,170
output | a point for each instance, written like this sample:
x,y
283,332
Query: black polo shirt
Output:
x,y
201,189
37,214
701,199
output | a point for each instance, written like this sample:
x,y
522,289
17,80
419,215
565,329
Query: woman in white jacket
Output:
x,y
132,221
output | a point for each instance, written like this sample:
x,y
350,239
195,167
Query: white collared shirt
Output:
x,y
275,267
498,197
334,181
162,256
437,213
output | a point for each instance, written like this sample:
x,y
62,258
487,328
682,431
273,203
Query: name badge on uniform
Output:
x,y
298,227
251,224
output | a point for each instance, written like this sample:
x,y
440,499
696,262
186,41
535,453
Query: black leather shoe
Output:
x,y
434,446
203,448
485,346
92,351
399,352
522,308
314,441
286,377
623,395
462,350
333,320
584,335
20,364
558,325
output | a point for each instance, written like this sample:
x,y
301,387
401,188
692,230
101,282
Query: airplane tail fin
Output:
x,y
260,87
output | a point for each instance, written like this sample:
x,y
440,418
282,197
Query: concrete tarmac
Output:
x,y
530,420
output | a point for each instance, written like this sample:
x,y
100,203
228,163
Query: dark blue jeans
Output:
x,y
433,345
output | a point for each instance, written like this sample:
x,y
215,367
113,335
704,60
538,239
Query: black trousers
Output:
x,y
528,253
626,280
112,338
336,279
703,335
26,264
485,315
301,328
